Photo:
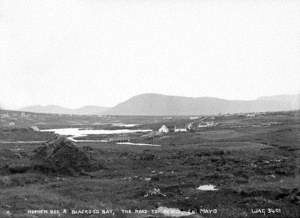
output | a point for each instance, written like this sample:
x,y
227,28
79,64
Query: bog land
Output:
x,y
234,165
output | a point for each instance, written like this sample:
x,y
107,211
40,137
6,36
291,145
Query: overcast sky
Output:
x,y
94,52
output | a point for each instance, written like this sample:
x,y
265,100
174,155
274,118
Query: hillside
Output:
x,y
156,104
54,109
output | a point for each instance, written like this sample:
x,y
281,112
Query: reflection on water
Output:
x,y
77,132
207,188
140,144
124,125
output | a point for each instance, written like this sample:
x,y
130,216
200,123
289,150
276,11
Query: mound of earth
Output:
x,y
62,156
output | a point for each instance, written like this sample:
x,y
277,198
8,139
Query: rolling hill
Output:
x,y
157,104
54,109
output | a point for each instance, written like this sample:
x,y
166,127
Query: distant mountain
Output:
x,y
91,109
54,109
157,104
282,98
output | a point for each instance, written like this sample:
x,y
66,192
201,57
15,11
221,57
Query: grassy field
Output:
x,y
253,162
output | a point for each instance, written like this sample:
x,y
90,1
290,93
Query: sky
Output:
x,y
102,52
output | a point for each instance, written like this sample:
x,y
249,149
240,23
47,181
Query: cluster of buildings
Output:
x,y
16,118
190,127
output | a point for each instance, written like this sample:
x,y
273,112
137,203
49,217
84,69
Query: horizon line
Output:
x,y
2,106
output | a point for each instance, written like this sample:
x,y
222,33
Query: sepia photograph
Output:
x,y
149,108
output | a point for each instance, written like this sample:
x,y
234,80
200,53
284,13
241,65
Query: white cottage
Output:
x,y
163,129
12,124
180,129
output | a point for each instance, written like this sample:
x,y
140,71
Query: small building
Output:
x,y
35,128
180,129
12,124
251,115
191,126
163,129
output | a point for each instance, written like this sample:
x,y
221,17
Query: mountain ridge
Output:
x,y
158,104
154,104
56,109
